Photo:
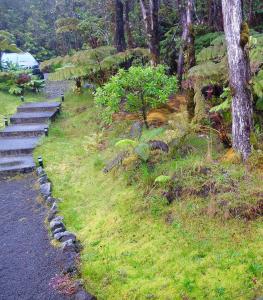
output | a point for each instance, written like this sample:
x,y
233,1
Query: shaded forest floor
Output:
x,y
205,244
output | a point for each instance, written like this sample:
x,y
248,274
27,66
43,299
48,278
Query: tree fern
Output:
x,y
96,65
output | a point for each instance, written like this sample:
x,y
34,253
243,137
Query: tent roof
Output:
x,y
25,60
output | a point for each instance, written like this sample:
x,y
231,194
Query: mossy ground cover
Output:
x,y
136,246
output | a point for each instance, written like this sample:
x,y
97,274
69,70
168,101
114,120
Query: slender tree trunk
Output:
x,y
150,13
144,112
187,42
119,30
219,16
180,65
210,12
251,13
190,41
237,36
190,57
215,17
128,25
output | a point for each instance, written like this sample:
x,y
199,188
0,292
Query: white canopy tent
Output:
x,y
24,60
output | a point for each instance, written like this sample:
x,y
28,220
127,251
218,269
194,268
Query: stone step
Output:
x,y
17,146
33,117
39,106
16,164
28,130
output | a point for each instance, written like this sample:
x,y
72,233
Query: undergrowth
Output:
x,y
136,244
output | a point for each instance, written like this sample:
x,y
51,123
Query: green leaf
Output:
x,y
126,143
143,151
259,104
162,179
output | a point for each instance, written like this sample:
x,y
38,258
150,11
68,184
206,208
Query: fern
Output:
x,y
212,68
258,84
126,144
96,65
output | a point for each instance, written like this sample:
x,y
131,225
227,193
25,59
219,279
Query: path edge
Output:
x,y
69,244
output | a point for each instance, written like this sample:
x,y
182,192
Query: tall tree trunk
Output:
x,y
187,41
237,36
190,57
119,30
128,24
250,13
180,65
215,17
150,13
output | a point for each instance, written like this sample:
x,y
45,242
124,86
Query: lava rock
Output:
x,y
70,263
58,218
56,224
71,246
50,201
40,171
43,179
51,216
58,230
64,236
54,207
82,295
52,212
136,130
45,189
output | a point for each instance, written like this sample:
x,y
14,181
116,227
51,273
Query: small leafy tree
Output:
x,y
139,88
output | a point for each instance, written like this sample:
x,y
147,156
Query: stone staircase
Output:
x,y
19,139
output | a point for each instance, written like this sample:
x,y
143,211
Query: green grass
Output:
x,y
135,245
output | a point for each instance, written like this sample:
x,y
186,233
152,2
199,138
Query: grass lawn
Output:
x,y
136,246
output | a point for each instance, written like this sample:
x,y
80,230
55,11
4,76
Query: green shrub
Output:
x,y
138,89
7,79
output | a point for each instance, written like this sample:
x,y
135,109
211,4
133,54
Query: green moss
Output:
x,y
244,34
135,245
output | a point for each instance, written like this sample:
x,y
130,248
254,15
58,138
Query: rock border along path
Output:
x,y
18,140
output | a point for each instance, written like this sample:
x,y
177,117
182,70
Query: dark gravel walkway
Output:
x,y
27,260
54,89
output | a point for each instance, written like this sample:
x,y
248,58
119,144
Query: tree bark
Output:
x,y
187,42
250,13
119,30
215,18
150,13
237,36
144,111
128,24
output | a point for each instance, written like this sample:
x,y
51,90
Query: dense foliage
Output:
x,y
95,65
47,28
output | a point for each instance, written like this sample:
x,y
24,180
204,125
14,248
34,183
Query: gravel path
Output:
x,y
27,260
54,89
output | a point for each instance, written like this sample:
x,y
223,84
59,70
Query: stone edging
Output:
x,y
70,246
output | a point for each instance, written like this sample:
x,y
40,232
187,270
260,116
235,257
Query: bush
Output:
x,y
138,89
7,79
18,81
